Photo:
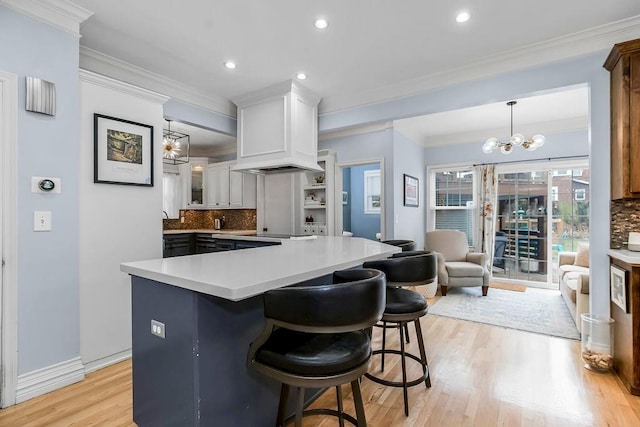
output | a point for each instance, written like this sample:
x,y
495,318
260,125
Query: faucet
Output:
x,y
165,214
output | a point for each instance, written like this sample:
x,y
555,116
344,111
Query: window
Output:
x,y
453,200
372,192
554,194
581,194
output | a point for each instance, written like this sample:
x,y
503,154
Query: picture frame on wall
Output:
x,y
619,287
410,191
122,151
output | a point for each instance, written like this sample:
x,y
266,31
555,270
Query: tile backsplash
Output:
x,y
236,219
625,217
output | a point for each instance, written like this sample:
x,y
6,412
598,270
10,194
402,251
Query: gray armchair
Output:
x,y
456,265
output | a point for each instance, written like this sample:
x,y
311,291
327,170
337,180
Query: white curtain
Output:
x,y
487,199
171,194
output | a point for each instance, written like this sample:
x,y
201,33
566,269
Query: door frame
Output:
x,y
543,166
9,239
338,192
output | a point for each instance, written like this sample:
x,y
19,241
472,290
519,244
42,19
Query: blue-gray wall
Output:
x,y
408,158
48,302
374,146
362,225
190,114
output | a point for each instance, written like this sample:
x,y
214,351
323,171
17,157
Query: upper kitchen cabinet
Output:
x,y
229,189
623,63
278,130
195,181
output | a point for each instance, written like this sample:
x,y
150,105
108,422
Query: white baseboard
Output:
x,y
47,379
107,361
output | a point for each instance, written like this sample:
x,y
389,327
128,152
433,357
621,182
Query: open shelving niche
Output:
x,y
317,197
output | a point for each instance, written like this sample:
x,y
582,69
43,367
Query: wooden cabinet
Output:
x,y
229,189
626,340
623,63
318,197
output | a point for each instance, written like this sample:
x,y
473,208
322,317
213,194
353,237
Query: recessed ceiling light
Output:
x,y
230,65
463,17
321,23
301,76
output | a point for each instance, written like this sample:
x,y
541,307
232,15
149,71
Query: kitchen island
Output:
x,y
189,367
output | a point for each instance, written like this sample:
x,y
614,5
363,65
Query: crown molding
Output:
x,y
565,47
109,83
61,14
100,63
360,130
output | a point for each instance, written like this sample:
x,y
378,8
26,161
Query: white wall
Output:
x,y
408,158
118,223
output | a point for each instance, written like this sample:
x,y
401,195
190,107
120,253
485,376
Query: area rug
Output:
x,y
540,311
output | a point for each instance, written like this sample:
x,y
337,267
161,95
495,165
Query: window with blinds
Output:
x,y
453,203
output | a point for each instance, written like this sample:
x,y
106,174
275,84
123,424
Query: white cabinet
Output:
x,y
218,185
229,189
194,176
317,197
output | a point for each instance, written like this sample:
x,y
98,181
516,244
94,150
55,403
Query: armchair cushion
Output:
x,y
464,269
582,256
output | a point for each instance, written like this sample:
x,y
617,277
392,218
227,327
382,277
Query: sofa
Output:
x,y
573,279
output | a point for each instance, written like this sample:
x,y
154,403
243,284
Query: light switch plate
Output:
x,y
42,221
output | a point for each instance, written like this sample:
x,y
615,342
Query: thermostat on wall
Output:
x,y
41,184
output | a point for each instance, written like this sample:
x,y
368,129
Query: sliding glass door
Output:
x,y
540,211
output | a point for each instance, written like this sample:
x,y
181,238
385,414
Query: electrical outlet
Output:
x,y
157,328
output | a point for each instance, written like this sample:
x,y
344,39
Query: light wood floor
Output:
x,y
482,376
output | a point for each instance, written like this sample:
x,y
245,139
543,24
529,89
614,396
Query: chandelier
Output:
x,y
175,146
517,139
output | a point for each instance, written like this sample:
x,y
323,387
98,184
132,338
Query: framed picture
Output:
x,y
410,191
619,287
122,152
345,198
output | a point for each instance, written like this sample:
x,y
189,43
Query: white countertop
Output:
x,y
236,275
630,257
212,231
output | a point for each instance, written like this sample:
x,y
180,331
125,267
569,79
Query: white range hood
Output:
x,y
278,130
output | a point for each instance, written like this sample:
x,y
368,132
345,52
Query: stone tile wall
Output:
x,y
236,219
625,217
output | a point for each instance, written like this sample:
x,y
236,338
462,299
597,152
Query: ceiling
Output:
x,y
369,44
372,51
561,111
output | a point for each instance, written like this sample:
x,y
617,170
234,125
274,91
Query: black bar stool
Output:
x,y
406,245
412,268
319,336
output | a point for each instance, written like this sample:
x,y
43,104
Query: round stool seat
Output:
x,y
311,354
400,301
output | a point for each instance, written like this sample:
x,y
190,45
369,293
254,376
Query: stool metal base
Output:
x,y
360,421
426,377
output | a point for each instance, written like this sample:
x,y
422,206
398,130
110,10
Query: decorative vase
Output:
x,y
597,342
